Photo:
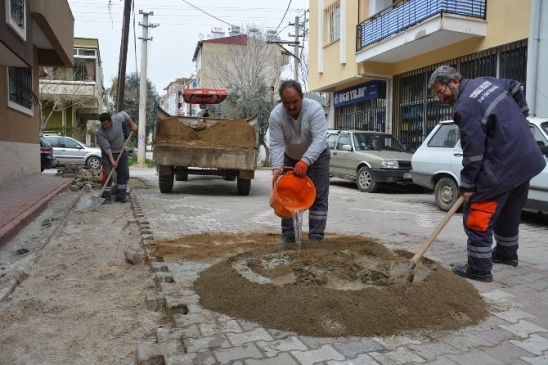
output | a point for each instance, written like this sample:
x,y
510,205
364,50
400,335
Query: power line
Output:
x,y
283,18
213,16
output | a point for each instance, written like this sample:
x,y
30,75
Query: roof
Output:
x,y
238,40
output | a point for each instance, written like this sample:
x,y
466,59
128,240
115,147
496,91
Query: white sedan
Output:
x,y
438,161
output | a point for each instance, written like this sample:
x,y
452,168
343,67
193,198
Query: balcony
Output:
x,y
409,28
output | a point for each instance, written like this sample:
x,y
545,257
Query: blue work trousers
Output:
x,y
318,172
499,216
122,174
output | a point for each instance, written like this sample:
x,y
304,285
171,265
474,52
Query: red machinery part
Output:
x,y
204,96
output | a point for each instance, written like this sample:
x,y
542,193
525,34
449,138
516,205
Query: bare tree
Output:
x,y
59,91
251,71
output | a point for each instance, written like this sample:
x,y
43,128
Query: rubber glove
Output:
x,y
300,169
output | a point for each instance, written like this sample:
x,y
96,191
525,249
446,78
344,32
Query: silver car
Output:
x,y
438,161
68,150
369,159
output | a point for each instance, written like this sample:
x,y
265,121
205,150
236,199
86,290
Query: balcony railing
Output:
x,y
405,14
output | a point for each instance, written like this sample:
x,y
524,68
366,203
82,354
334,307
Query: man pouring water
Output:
x,y
297,134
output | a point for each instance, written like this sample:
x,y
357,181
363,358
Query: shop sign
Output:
x,y
355,94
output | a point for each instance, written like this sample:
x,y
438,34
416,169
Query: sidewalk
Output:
x,y
24,199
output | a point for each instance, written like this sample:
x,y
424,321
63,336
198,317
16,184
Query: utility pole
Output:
x,y
296,49
123,57
141,139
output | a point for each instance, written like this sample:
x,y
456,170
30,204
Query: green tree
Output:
x,y
131,101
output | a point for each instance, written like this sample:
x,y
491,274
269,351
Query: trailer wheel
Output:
x,y
181,177
166,183
229,178
243,186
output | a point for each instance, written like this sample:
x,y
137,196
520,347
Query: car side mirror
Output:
x,y
346,147
544,150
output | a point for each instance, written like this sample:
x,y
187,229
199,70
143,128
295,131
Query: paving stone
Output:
x,y
535,344
539,360
430,351
246,351
324,353
442,361
513,315
393,342
362,359
169,335
355,346
210,329
474,357
259,334
205,343
464,341
523,328
401,355
315,342
507,353
284,359
272,348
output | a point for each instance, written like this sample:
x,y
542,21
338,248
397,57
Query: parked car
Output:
x,y
47,161
368,158
438,161
68,150
132,152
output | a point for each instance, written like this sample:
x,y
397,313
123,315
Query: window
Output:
x,y
20,94
332,23
541,141
344,139
332,140
446,136
85,60
15,17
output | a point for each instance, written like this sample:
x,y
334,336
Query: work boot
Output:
x,y
505,261
285,240
121,199
466,272
314,240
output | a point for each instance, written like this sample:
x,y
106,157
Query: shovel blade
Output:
x,y
95,201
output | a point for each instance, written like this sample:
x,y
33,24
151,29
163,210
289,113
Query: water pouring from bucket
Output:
x,y
291,196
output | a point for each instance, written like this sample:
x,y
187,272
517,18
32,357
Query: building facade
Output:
x,y
71,99
173,102
375,56
33,33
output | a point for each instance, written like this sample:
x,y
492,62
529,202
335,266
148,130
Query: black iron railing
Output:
x,y
407,13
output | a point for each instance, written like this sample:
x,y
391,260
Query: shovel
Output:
x,y
434,234
96,199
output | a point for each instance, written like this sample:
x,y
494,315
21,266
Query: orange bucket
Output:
x,y
291,193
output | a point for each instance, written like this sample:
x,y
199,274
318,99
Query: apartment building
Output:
x,y
71,99
33,33
374,57
173,102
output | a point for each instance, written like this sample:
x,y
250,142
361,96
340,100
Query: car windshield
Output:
x,y
376,141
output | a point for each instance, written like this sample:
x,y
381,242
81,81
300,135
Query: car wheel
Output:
x,y
94,162
446,193
365,181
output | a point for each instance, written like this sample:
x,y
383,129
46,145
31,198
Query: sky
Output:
x,y
181,24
